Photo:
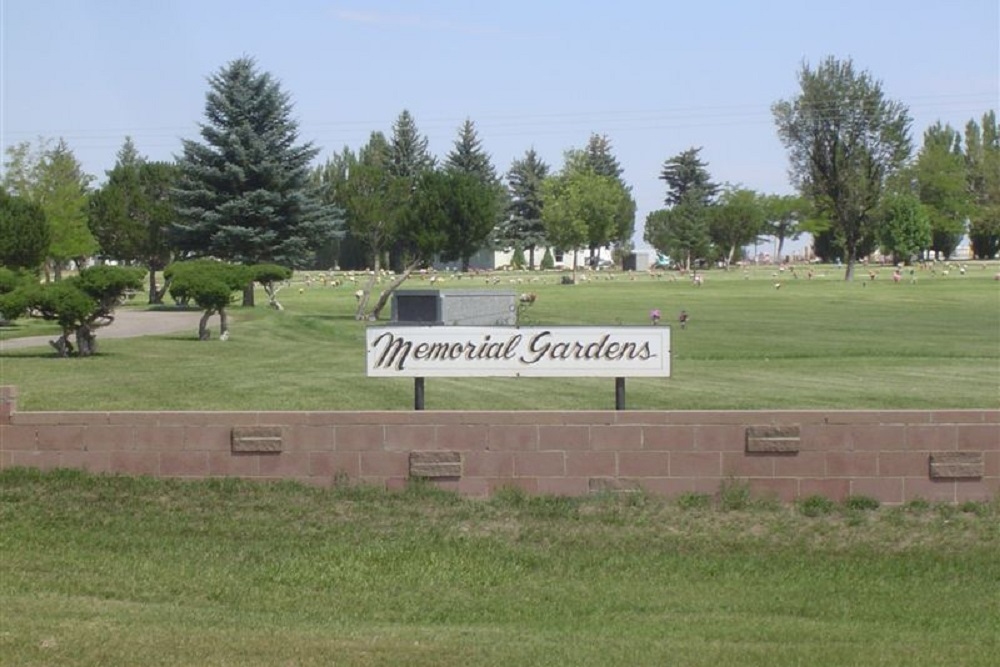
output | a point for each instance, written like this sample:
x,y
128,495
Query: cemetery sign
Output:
x,y
450,351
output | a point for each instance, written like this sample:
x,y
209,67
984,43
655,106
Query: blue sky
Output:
x,y
656,77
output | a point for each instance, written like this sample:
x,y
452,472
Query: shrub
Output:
x,y
974,507
517,261
861,503
816,506
548,261
734,494
918,505
694,501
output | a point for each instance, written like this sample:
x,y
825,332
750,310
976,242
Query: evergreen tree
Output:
x,y
682,230
408,154
24,233
687,179
132,213
245,194
468,157
602,161
524,227
409,160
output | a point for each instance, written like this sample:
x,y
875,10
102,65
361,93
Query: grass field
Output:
x,y
817,343
104,570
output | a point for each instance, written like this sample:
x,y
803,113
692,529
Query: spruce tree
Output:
x,y
408,153
524,227
245,193
469,158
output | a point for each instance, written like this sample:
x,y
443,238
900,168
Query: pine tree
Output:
x,y
245,193
408,154
686,174
524,226
469,157
601,159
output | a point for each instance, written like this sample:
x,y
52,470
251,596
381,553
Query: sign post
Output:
x,y
459,351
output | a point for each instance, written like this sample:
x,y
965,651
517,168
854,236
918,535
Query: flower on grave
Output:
x,y
654,315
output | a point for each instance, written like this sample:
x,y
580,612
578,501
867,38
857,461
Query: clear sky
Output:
x,y
656,77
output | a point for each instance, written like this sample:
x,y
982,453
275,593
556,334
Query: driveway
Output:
x,y
128,324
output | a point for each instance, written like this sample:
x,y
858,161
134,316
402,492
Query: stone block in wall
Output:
x,y
436,465
613,485
256,439
956,465
773,439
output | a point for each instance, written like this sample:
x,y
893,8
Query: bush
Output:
x,y
816,506
734,494
694,501
517,261
548,261
975,507
918,505
861,503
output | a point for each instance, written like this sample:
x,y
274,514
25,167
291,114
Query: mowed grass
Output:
x,y
818,343
107,570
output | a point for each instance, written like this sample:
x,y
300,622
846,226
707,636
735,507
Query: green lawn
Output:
x,y
101,570
812,343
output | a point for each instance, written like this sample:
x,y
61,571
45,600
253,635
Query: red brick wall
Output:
x,y
892,455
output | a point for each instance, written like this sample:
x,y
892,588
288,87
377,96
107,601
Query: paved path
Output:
x,y
128,323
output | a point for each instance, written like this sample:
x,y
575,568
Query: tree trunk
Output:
x,y
575,256
531,258
86,342
366,293
849,271
61,345
223,324
384,299
203,332
155,297
248,296
272,296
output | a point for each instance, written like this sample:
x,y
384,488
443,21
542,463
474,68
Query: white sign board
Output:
x,y
439,351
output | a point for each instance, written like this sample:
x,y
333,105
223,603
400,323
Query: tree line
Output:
x,y
248,192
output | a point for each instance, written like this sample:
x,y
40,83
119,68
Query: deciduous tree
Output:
x,y
579,209
941,179
904,227
736,220
51,177
845,141
982,147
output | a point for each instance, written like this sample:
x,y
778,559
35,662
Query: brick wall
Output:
x,y
892,455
